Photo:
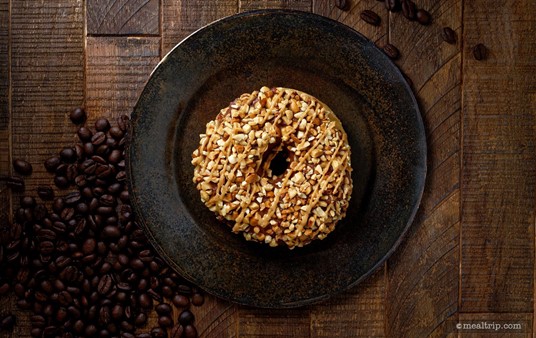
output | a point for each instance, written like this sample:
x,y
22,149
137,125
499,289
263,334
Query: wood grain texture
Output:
x,y
47,53
351,17
117,69
257,323
123,17
182,17
499,157
423,273
301,5
358,312
216,318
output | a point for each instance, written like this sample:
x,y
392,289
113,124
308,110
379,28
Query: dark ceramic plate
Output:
x,y
240,54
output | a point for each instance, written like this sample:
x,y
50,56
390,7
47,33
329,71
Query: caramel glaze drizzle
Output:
x,y
222,142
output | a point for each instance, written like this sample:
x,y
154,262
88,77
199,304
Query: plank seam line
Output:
x,y
444,64
126,35
133,14
461,150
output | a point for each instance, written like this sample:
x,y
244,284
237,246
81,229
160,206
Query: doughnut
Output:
x,y
275,166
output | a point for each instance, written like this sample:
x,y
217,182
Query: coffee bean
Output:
x,y
78,115
423,17
343,5
52,163
8,322
45,193
61,182
190,331
68,155
480,52
98,138
4,288
392,5
449,35
391,51
117,312
143,335
89,149
370,17
22,167
198,299
158,332
163,309
91,330
177,331
72,198
105,284
141,319
123,122
409,10
186,317
111,232
102,124
16,183
27,202
145,301
165,321
115,156
180,301
84,134
116,133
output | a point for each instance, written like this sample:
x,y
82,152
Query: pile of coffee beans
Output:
x,y
78,260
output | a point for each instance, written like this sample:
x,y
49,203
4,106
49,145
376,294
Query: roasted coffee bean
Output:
x,y
8,322
165,321
46,248
52,163
22,167
391,51
45,193
143,335
343,5
27,202
84,134
116,133
186,317
61,182
145,301
163,309
180,301
91,330
105,285
16,183
198,299
115,156
392,5
68,155
158,332
78,115
98,138
72,198
409,10
480,52
123,122
141,319
117,312
423,17
370,17
102,125
40,212
4,288
190,331
111,231
184,289
449,35
89,148
127,334
177,331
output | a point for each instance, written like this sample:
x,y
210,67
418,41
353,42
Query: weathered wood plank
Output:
x,y
424,272
359,312
301,5
272,323
117,69
123,17
216,318
182,17
47,53
351,17
5,127
499,157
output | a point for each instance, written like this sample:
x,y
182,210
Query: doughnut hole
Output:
x,y
279,163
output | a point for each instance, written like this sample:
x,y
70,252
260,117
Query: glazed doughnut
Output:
x,y
275,166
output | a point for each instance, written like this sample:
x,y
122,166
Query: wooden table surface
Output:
x,y
469,256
